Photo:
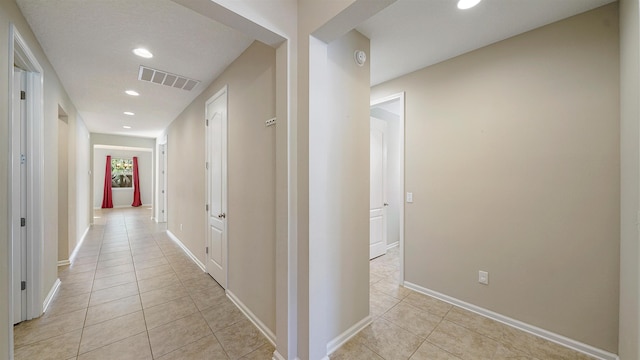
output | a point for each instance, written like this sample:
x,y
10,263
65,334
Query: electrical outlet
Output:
x,y
483,277
409,197
270,122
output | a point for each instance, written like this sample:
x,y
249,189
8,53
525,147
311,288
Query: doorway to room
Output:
x,y
387,178
63,188
162,183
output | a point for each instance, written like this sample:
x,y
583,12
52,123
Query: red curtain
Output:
x,y
107,200
136,184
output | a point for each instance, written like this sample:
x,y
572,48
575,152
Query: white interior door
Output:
x,y
378,181
19,197
162,203
216,115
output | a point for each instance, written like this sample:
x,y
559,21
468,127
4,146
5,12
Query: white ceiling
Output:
x,y
412,34
89,44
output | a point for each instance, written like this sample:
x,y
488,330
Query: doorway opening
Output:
x,y
25,231
63,188
162,184
122,182
387,185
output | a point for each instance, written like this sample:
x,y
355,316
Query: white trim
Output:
x,y
391,246
253,318
64,262
531,329
186,250
10,228
124,206
19,53
124,148
401,97
35,196
341,339
222,93
277,356
52,293
72,257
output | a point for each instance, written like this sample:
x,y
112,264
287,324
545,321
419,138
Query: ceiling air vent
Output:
x,y
164,78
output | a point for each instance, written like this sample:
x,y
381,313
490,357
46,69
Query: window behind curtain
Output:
x,y
121,173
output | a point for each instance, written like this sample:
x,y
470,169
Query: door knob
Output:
x,y
222,216
386,204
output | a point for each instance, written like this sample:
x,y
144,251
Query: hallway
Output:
x,y
132,293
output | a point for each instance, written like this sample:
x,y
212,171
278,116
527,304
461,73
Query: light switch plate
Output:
x,y
409,197
483,277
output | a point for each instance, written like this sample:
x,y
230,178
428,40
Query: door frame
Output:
x,y
225,178
395,97
162,183
21,55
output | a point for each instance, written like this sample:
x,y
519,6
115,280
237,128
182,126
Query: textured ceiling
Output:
x,y
89,44
412,34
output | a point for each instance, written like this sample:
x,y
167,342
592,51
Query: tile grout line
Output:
x,y
135,274
381,316
200,311
99,253
91,291
213,333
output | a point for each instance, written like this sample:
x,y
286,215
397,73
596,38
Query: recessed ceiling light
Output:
x,y
142,52
132,92
467,4
129,113
126,126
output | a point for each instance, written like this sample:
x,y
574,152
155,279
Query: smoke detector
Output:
x,y
360,57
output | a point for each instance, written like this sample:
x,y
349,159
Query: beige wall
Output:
x,y
512,155
629,334
251,178
338,192
54,96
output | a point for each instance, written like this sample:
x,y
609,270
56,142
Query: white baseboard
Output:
x,y
64,263
75,250
531,329
253,318
78,245
391,246
341,339
124,206
186,251
52,293
277,356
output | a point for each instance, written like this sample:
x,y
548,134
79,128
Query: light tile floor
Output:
x,y
409,325
132,293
